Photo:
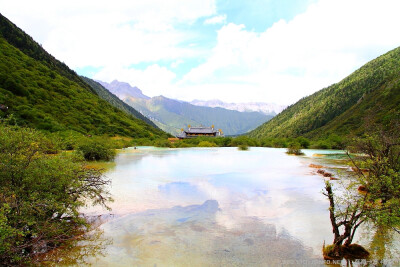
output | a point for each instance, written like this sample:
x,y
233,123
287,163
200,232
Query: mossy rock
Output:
x,y
351,252
354,251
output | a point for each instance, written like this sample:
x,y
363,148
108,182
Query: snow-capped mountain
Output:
x,y
266,108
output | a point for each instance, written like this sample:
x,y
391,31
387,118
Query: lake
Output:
x,y
222,207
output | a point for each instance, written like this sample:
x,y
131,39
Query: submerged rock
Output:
x,y
315,166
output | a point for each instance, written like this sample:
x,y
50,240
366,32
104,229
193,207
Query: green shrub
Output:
x,y
96,149
322,144
244,140
243,147
304,142
294,149
162,143
38,192
206,144
181,144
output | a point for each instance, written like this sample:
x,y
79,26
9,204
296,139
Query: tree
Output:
x,y
377,166
378,170
294,149
40,195
346,214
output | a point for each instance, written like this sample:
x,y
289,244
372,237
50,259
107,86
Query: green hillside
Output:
x,y
369,95
172,115
41,92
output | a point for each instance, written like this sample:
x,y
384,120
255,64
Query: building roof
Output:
x,y
203,130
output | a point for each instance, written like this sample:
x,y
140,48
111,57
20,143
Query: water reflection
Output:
x,y
192,235
217,206
80,251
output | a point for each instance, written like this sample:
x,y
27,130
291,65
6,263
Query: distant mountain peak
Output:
x,y
123,89
266,108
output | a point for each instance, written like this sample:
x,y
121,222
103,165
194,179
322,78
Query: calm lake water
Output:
x,y
222,207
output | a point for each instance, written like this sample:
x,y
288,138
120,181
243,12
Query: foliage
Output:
x,y
244,140
378,170
162,143
207,144
347,213
40,195
302,142
294,149
370,92
243,147
96,148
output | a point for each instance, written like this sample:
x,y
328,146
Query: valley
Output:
x,y
93,172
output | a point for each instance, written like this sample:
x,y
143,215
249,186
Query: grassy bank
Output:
x,y
332,142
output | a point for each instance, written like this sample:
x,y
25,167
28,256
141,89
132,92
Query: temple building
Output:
x,y
192,132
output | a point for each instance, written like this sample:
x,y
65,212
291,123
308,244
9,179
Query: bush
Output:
x,y
244,140
304,142
322,144
294,149
40,195
96,149
281,142
162,143
206,144
243,147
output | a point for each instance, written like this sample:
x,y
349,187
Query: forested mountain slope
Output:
x,y
370,94
43,93
172,115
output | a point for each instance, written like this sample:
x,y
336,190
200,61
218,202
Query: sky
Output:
x,y
274,51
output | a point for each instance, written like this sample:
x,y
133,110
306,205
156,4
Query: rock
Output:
x,y
354,251
315,166
350,252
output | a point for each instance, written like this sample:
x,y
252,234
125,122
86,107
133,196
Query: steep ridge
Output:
x,y
43,93
370,94
115,101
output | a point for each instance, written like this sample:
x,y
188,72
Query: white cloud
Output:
x,y
220,19
295,58
151,79
287,61
176,63
103,33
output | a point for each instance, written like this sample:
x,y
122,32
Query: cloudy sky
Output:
x,y
237,51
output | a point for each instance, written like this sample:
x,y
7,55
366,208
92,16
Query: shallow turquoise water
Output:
x,y
217,207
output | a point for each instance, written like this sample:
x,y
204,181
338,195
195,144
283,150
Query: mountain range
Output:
x,y
39,91
369,96
266,108
171,115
